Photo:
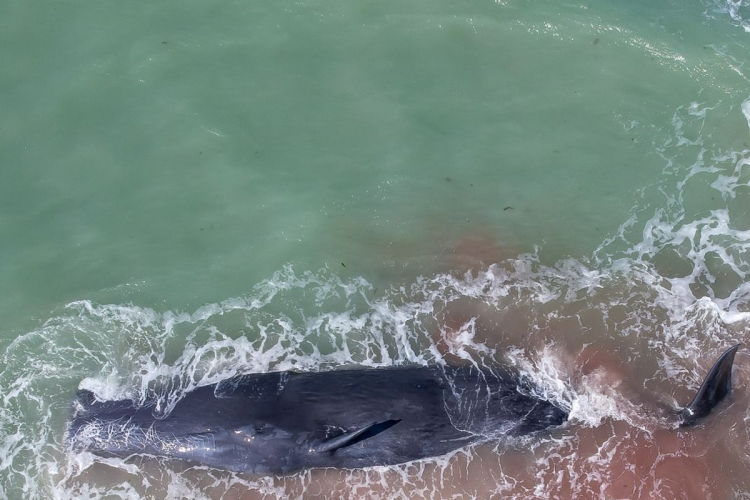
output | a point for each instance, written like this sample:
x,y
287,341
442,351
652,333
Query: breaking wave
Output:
x,y
737,10
670,285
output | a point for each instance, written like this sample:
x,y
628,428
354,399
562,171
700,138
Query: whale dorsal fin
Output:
x,y
353,436
716,386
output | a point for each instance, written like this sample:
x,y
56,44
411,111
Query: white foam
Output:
x,y
589,399
739,10
316,320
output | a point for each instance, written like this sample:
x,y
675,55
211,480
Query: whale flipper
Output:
x,y
351,437
716,386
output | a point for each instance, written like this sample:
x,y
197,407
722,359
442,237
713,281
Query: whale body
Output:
x,y
284,422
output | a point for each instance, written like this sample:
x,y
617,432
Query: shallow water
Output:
x,y
191,191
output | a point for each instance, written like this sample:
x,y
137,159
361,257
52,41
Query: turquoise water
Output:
x,y
182,181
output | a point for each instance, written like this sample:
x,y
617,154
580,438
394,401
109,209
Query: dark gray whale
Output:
x,y
279,423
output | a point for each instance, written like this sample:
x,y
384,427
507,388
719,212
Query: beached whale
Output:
x,y
279,423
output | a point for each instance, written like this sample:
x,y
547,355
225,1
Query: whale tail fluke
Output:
x,y
716,386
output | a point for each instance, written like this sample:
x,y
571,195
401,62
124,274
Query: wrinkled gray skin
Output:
x,y
280,423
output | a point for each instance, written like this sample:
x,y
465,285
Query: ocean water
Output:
x,y
191,190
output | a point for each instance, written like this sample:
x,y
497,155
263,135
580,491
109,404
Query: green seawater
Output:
x,y
176,154
168,155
